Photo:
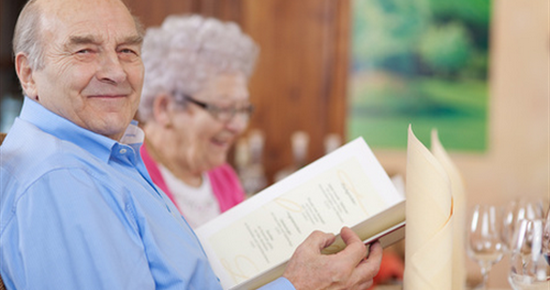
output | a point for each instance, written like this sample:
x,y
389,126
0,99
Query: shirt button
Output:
x,y
122,151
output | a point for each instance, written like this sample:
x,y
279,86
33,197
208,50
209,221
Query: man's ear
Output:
x,y
161,110
25,75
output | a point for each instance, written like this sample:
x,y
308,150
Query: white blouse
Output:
x,y
197,204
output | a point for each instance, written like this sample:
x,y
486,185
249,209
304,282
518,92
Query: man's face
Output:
x,y
92,73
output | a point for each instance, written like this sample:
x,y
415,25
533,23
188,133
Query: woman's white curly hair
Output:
x,y
187,50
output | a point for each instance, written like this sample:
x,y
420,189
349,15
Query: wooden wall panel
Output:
x,y
152,13
300,79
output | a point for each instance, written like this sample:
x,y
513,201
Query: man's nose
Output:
x,y
111,69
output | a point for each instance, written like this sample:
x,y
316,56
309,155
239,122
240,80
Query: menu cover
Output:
x,y
250,244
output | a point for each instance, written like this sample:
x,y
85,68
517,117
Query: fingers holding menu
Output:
x,y
348,269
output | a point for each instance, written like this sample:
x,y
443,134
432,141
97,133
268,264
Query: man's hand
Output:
x,y
348,269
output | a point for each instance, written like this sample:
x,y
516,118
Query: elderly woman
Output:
x,y
195,103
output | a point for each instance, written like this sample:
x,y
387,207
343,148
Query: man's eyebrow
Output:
x,y
86,39
132,40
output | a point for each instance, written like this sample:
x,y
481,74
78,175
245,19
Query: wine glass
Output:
x,y
484,244
546,237
529,269
517,210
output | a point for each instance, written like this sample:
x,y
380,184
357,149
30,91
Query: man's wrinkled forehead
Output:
x,y
83,18
72,6
70,9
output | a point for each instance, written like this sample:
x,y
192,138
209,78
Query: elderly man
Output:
x,y
77,207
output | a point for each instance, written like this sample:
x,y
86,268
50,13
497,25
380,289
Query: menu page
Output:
x,y
337,192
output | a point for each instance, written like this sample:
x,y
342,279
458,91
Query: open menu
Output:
x,y
249,245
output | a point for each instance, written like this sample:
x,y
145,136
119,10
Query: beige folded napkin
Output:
x,y
459,212
429,231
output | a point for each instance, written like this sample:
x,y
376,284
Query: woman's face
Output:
x,y
205,139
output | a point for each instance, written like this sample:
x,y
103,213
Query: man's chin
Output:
x,y
113,128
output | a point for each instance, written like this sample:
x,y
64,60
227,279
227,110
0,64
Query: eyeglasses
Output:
x,y
224,114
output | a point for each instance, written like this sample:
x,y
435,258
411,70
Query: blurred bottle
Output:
x,y
300,143
242,156
332,142
249,162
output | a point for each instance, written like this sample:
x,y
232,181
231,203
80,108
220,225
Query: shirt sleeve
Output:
x,y
69,232
279,284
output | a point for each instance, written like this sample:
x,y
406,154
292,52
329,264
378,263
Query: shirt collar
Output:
x,y
55,125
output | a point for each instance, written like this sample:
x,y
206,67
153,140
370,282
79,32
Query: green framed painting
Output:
x,y
420,62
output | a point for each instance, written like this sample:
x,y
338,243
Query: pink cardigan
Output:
x,y
225,182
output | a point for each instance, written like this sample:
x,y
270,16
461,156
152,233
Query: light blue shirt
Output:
x,y
79,211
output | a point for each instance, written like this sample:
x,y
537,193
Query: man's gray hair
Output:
x,y
188,50
26,37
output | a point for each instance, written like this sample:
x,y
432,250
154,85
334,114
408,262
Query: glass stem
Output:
x,y
485,274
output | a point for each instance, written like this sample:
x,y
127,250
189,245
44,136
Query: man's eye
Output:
x,y
127,51
84,51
